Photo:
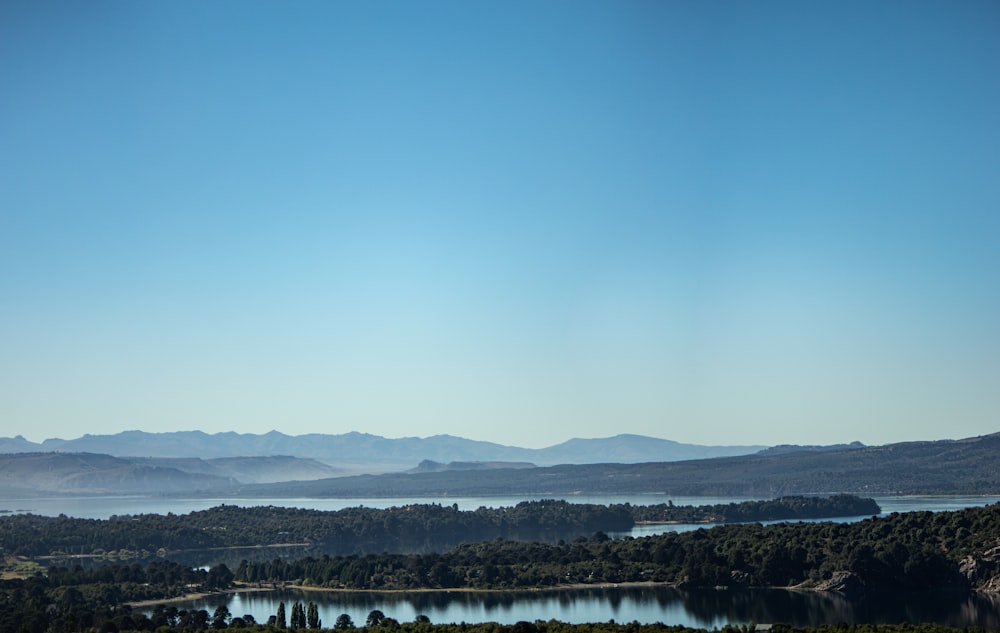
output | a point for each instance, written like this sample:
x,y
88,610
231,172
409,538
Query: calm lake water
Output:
x,y
646,604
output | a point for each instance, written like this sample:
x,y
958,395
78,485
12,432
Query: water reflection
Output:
x,y
644,603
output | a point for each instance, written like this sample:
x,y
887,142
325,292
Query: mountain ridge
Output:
x,y
357,452
966,466
28,474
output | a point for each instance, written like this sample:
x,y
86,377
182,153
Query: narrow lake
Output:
x,y
105,507
646,604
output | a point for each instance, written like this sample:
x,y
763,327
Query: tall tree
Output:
x,y
221,617
298,616
312,617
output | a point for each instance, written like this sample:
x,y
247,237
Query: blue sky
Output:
x,y
713,222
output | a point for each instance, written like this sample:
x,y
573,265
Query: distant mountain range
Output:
x,y
137,462
428,466
968,466
29,474
256,470
363,453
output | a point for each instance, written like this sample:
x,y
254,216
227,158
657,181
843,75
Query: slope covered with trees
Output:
x,y
418,527
911,551
918,551
410,528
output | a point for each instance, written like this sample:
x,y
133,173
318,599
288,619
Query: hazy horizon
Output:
x,y
718,223
466,437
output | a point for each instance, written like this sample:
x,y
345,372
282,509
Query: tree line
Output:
x,y
409,528
78,599
414,527
780,509
912,551
915,550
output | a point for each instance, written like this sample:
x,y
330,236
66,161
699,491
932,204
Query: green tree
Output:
x,y
312,617
344,622
198,619
298,619
280,621
219,577
374,618
221,617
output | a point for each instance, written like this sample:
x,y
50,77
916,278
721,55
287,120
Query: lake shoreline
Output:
x,y
804,588
306,588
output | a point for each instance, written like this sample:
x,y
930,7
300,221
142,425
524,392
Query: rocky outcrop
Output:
x,y
844,582
983,570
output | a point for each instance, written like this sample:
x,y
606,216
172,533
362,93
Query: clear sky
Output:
x,y
516,221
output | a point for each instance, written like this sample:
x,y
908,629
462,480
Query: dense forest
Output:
x,y
418,527
75,599
780,509
411,528
911,551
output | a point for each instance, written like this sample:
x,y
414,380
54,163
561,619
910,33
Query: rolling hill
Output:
x,y
968,466
355,453
30,474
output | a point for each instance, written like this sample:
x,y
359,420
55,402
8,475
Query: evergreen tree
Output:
x,y
312,617
374,618
280,618
220,619
344,622
298,616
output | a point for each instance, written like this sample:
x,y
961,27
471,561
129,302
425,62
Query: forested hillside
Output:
x,y
910,551
917,551
410,528
419,527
